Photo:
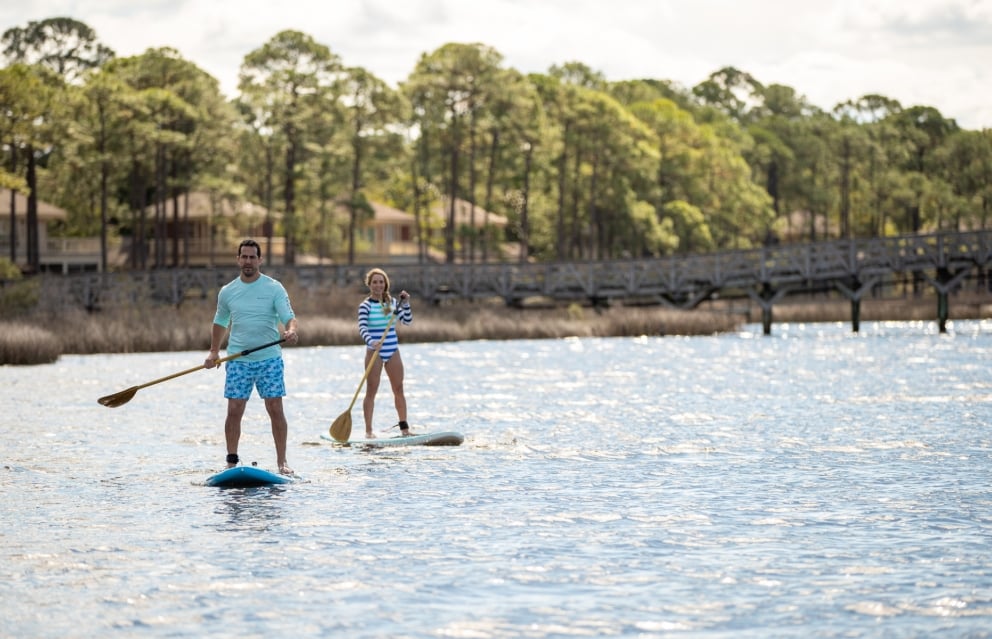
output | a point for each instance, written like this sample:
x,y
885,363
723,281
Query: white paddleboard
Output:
x,y
447,438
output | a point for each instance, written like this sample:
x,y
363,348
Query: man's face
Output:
x,y
249,260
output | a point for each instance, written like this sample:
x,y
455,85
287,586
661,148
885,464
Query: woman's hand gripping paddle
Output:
x,y
123,397
341,428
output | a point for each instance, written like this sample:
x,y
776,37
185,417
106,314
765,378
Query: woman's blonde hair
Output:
x,y
387,301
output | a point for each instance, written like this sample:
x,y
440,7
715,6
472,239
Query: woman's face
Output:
x,y
377,285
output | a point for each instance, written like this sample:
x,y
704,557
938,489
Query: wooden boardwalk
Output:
x,y
851,267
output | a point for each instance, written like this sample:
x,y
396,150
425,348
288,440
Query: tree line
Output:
x,y
583,168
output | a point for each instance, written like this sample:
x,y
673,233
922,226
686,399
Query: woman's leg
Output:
x,y
394,370
371,388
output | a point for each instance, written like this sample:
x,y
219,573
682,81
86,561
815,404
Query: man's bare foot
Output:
x,y
284,469
369,435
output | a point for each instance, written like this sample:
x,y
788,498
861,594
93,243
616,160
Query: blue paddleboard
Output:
x,y
448,438
247,477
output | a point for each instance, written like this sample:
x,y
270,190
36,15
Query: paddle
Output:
x,y
341,428
123,397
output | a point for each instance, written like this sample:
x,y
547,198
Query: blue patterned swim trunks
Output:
x,y
268,376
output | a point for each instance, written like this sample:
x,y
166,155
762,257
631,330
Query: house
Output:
x,y
206,229
479,220
391,235
388,237
211,227
469,216
391,231
62,255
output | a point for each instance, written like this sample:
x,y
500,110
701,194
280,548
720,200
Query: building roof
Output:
x,y
200,207
382,215
388,215
463,214
46,211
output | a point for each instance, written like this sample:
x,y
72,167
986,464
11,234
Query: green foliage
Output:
x,y
18,298
689,226
66,46
581,168
13,182
17,295
287,85
9,270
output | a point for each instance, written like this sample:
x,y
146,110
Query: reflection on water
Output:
x,y
814,483
250,509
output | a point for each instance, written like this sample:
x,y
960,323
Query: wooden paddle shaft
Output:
x,y
124,396
247,351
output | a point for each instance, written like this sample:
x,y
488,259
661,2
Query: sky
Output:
x,y
935,53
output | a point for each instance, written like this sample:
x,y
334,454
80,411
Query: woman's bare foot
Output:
x,y
369,435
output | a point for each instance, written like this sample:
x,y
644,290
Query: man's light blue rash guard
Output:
x,y
254,311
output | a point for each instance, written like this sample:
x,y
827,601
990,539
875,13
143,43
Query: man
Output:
x,y
252,306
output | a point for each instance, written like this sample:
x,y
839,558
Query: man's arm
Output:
x,y
217,333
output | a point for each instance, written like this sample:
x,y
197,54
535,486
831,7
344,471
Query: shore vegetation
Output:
x,y
28,338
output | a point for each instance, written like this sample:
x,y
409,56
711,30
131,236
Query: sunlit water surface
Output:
x,y
814,483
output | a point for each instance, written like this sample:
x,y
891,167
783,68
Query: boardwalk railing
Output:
x,y
764,275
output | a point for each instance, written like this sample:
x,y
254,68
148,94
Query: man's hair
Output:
x,y
250,243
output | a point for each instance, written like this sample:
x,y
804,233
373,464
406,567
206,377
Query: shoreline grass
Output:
x,y
330,320
24,344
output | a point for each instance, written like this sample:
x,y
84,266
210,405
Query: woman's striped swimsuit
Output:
x,y
372,322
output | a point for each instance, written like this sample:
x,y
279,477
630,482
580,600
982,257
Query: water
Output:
x,y
813,483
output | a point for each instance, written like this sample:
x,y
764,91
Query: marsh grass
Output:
x,y
329,319
460,323
25,344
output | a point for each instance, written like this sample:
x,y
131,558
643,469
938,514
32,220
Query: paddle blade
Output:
x,y
118,399
341,428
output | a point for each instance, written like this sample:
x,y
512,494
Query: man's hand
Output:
x,y
211,360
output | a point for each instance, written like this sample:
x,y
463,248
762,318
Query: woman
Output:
x,y
374,314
